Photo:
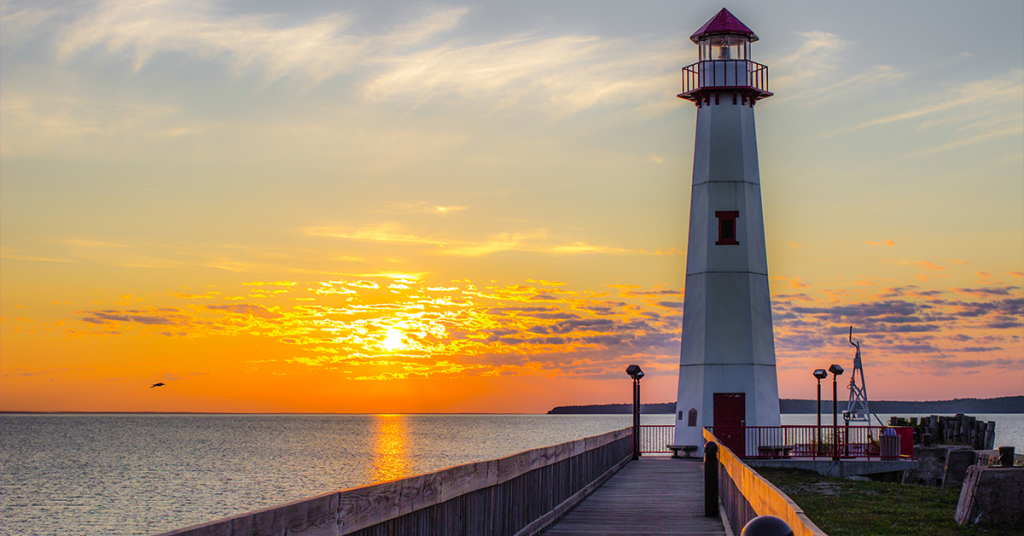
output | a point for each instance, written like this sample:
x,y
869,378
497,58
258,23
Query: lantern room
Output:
x,y
724,37
724,63
724,47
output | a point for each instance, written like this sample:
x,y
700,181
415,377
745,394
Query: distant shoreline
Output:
x,y
18,412
1005,404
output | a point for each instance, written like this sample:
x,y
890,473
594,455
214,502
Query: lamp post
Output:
x,y
836,370
635,373
820,374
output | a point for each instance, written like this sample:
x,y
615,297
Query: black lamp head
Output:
x,y
634,372
836,369
821,374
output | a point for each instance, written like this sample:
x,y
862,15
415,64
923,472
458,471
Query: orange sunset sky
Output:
x,y
421,207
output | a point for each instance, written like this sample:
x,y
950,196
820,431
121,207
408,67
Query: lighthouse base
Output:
x,y
730,395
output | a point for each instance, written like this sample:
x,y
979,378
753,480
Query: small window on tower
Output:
x,y
728,230
727,227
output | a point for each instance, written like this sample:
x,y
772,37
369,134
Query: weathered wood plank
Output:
x,y
654,496
558,511
365,506
463,479
316,516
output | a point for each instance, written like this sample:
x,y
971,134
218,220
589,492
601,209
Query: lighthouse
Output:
x,y
727,372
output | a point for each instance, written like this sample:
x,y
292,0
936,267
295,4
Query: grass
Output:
x,y
843,507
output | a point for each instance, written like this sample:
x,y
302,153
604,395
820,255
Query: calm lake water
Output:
x,y
142,474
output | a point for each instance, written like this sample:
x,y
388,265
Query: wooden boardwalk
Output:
x,y
653,496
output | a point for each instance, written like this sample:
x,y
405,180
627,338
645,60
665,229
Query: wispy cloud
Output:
x,y
813,74
246,309
817,55
163,316
19,24
92,244
561,74
415,60
386,232
422,207
11,253
889,243
535,240
928,265
39,120
1009,131
794,282
991,103
140,29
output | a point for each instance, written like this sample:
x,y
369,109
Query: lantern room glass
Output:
x,y
724,47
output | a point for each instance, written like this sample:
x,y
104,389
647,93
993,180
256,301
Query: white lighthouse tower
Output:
x,y
727,362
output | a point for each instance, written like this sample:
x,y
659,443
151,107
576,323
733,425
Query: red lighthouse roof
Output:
x,y
724,23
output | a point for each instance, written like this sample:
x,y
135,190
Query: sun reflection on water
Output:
x,y
390,448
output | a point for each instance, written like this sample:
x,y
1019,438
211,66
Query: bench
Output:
x,y
774,451
688,450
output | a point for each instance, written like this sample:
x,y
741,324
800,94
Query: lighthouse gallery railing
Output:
x,y
725,74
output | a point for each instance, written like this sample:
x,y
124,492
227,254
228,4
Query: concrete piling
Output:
x,y
956,430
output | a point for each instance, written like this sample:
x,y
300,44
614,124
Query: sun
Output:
x,y
393,340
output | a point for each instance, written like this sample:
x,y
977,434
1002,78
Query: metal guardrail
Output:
x,y
793,441
797,441
655,438
725,74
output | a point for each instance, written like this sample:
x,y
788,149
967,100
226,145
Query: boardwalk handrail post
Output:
x,y
711,479
846,434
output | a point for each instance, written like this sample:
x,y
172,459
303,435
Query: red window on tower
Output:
x,y
727,227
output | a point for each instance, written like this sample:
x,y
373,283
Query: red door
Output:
x,y
730,413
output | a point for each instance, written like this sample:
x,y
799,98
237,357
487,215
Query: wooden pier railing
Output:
x,y
519,495
746,495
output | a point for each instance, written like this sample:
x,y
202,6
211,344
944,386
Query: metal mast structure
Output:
x,y
857,409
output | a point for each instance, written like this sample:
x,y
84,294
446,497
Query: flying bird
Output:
x,y
161,384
